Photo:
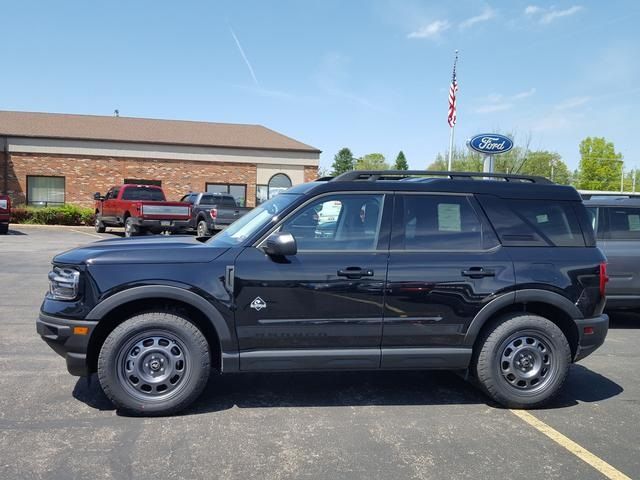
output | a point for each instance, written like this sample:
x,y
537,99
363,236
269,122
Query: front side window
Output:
x,y
337,222
440,222
45,191
624,223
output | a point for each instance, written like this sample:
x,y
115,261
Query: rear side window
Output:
x,y
227,202
534,222
624,223
439,222
143,193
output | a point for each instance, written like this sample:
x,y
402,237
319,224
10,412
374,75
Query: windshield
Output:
x,y
253,221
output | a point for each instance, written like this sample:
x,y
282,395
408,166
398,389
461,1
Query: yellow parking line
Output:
x,y
600,465
85,233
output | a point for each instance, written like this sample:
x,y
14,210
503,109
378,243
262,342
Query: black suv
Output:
x,y
495,275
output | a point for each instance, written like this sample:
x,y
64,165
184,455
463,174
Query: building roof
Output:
x,y
146,130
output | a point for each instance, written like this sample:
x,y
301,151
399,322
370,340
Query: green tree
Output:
x,y
342,162
462,160
546,164
372,161
600,165
401,162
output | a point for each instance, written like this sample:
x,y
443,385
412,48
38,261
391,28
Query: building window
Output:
x,y
45,191
133,181
239,191
262,194
277,184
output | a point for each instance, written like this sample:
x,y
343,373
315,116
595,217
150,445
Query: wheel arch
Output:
x,y
122,305
553,306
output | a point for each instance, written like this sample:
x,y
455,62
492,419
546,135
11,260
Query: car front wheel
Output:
x,y
522,361
100,228
154,364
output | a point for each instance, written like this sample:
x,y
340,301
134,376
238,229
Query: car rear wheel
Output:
x,y
130,228
154,364
4,228
522,361
203,229
100,228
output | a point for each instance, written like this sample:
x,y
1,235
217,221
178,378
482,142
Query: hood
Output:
x,y
155,249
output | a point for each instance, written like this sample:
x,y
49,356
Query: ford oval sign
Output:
x,y
490,143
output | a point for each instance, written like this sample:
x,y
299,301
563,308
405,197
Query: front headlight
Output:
x,y
63,283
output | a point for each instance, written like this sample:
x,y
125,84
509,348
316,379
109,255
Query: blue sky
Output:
x,y
369,75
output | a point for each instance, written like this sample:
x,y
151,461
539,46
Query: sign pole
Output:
x,y
487,165
450,149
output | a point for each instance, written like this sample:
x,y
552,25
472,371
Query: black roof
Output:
x,y
501,185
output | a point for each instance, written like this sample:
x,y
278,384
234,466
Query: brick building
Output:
x,y
52,159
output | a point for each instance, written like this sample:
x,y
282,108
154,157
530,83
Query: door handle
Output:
x,y
478,272
355,272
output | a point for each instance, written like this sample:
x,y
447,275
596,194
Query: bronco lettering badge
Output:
x,y
258,304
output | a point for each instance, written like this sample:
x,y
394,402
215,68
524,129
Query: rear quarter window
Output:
x,y
624,223
532,222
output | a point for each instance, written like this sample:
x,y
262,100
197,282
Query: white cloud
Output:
x,y
488,14
431,30
495,107
532,10
553,122
525,94
548,15
497,102
573,102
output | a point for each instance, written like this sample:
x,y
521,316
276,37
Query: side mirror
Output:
x,y
281,244
97,196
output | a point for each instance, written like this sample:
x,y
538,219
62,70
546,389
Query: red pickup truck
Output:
x,y
140,209
5,214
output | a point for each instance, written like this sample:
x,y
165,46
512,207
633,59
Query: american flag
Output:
x,y
452,96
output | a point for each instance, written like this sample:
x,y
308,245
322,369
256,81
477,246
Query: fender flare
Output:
x,y
519,296
227,342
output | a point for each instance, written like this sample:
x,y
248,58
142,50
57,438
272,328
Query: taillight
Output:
x,y
604,278
214,213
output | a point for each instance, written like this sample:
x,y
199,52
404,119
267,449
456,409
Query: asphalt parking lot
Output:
x,y
278,426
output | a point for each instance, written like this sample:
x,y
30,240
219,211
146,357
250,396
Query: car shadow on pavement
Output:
x,y
339,389
624,319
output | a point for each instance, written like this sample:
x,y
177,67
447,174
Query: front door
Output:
x,y
321,308
445,263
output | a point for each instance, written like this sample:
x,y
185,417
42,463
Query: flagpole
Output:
x,y
450,148
452,112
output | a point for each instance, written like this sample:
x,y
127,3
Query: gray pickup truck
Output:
x,y
616,221
211,212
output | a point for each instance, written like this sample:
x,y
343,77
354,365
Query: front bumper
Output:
x,y
158,225
589,342
63,337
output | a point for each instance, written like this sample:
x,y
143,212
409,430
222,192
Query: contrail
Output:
x,y
246,60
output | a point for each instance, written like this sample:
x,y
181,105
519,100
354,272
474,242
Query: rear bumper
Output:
x,y
589,342
59,334
157,224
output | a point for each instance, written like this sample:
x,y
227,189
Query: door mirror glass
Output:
x,y
281,244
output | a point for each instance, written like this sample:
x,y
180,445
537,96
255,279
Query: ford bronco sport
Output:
x,y
495,275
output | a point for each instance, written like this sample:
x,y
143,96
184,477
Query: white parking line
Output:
x,y
86,233
582,453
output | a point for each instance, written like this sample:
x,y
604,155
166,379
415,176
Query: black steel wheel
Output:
x,y
522,360
154,364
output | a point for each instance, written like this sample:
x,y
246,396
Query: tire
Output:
x,y
130,228
4,228
203,229
133,359
100,228
522,361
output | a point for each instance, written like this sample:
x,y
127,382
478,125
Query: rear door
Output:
x,y
621,245
445,263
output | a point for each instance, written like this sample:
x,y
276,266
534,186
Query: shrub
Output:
x,y
64,215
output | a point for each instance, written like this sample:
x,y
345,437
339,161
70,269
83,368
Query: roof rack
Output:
x,y
374,175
